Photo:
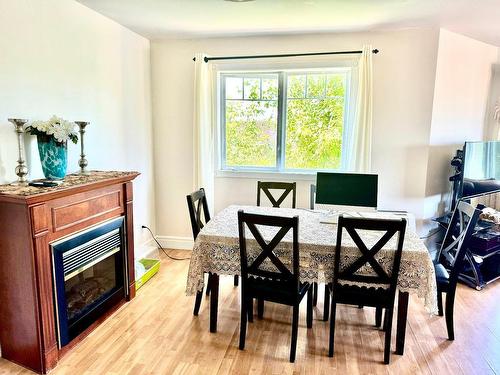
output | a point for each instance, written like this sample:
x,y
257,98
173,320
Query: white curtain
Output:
x,y
361,145
203,129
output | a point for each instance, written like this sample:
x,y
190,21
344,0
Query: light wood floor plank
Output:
x,y
156,333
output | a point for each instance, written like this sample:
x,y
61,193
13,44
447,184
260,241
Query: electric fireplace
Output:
x,y
89,271
67,253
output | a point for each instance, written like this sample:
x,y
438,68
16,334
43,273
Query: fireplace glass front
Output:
x,y
89,272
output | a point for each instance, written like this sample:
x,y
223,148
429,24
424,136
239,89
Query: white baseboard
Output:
x,y
174,242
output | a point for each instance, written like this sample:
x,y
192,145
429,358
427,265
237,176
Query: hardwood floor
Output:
x,y
157,333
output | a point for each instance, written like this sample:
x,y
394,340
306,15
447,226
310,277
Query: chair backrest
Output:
x,y
378,274
197,205
287,187
276,269
457,238
312,196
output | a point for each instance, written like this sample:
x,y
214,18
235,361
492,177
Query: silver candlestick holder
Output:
x,y
82,162
21,169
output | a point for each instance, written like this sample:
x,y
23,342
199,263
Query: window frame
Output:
x,y
279,169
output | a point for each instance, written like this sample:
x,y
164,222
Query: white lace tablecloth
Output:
x,y
216,250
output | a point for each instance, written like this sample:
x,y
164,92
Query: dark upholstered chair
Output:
x,y
286,187
450,259
265,277
382,290
200,215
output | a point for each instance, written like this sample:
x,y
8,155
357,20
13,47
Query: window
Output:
x,y
285,121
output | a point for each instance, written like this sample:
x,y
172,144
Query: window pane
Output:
x,y
251,129
296,86
314,129
312,125
335,84
315,85
234,88
252,88
270,88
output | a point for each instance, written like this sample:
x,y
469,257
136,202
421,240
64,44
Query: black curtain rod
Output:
x,y
207,59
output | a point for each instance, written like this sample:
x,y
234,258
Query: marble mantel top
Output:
x,y
71,180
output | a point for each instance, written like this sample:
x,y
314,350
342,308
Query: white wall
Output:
x,y
492,124
59,57
404,74
463,76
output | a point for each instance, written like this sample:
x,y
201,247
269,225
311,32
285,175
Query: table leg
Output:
x,y
402,317
214,300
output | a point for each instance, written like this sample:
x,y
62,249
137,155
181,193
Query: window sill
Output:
x,y
263,175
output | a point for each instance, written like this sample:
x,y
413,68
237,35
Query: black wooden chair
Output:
x,y
200,215
451,257
198,206
312,203
326,304
345,276
287,187
265,277
312,196
266,187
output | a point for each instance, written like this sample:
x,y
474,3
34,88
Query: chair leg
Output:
x,y
295,328
388,330
208,285
315,294
440,303
243,322
250,310
384,328
450,302
309,314
214,301
236,280
260,308
197,303
326,304
378,317
332,329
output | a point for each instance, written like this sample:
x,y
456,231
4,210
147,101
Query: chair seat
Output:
x,y
442,275
361,295
275,290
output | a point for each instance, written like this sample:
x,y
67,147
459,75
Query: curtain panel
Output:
x,y
204,129
361,146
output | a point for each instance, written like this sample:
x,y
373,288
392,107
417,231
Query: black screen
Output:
x,y
347,189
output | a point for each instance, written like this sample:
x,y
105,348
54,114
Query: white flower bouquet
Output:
x,y
56,127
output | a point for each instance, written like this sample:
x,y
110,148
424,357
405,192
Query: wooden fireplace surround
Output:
x,y
29,223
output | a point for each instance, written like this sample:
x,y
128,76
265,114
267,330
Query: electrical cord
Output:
x,y
436,231
161,247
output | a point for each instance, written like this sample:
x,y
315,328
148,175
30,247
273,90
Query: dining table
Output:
x,y
216,252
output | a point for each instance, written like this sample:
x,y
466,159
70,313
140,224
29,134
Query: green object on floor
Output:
x,y
152,266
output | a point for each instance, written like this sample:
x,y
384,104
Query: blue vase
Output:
x,y
53,156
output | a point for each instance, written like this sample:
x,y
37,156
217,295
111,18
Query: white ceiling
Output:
x,y
155,19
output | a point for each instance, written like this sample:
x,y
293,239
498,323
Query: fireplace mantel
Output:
x,y
32,218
